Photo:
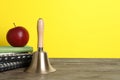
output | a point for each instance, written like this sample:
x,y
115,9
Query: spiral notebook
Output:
x,y
14,57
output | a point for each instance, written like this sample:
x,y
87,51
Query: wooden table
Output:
x,y
72,69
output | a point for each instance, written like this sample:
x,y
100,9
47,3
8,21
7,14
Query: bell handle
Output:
x,y
40,31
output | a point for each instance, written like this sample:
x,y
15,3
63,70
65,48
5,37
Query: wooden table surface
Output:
x,y
72,69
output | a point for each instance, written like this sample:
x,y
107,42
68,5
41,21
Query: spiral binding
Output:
x,y
9,61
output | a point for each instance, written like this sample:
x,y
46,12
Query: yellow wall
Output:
x,y
73,28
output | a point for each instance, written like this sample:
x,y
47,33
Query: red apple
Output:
x,y
17,36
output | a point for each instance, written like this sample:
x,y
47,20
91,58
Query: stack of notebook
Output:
x,y
14,57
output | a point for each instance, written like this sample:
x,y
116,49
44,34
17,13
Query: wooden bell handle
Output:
x,y
40,30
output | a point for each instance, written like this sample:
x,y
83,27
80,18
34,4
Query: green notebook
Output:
x,y
10,49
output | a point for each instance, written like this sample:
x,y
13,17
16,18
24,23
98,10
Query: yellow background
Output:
x,y
73,28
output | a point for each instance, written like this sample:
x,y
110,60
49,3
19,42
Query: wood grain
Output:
x,y
72,69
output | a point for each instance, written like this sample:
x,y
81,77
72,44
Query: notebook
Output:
x,y
14,57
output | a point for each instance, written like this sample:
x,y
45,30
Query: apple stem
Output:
x,y
14,24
